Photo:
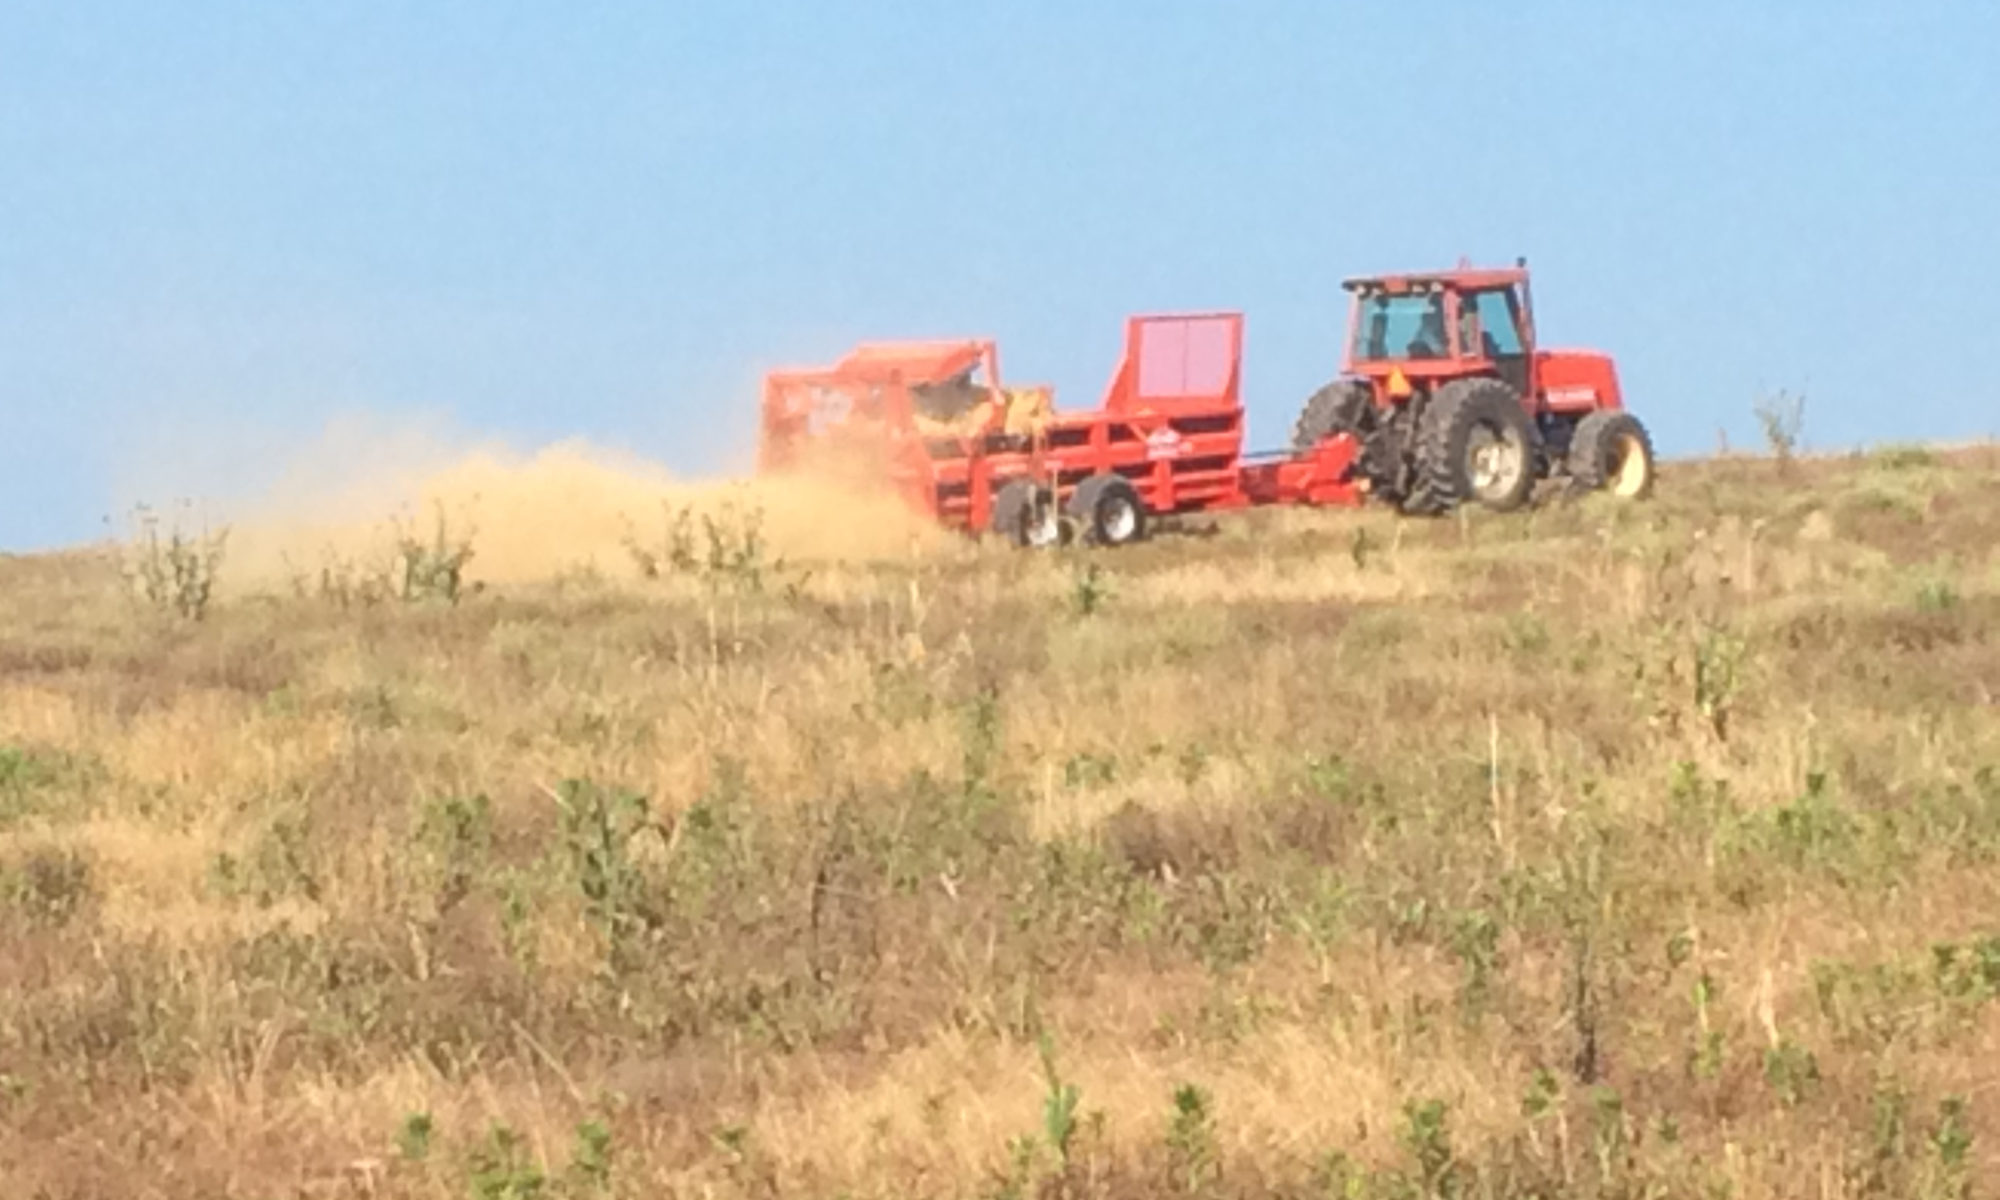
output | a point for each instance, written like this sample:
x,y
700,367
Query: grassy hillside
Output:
x,y
1597,851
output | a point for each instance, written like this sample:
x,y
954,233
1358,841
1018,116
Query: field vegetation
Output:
x,y
1601,850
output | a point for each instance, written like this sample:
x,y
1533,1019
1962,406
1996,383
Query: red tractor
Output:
x,y
1452,401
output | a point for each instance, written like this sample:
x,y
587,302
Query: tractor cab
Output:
x,y
1412,329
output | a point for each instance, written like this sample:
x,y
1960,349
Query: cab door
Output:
x,y
1503,341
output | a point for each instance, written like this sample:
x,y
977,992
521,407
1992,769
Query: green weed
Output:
x,y
1781,417
723,549
49,884
413,1137
1426,1138
433,568
590,1160
502,1169
1059,1121
1194,1159
176,573
599,827
1791,1071
1090,591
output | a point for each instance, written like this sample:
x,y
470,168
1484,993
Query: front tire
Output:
x,y
1611,451
1474,444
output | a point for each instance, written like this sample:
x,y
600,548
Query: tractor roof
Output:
x,y
1462,279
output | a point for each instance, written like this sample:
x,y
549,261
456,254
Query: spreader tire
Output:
x,y
1026,515
1108,511
1474,444
1611,451
1339,407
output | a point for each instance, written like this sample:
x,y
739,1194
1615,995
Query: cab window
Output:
x,y
1500,337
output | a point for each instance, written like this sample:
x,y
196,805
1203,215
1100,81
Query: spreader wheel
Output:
x,y
1108,511
1611,451
1474,443
1025,514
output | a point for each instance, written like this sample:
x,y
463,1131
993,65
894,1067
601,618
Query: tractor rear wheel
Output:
x,y
1108,510
1611,451
1342,406
1474,443
1026,515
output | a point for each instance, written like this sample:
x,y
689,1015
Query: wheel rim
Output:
x,y
1119,520
1497,459
1042,528
1629,468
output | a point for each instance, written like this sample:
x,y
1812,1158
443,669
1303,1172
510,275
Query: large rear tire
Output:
x,y
1108,511
1611,451
1475,444
1342,406
1026,515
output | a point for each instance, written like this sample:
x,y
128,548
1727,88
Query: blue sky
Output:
x,y
224,224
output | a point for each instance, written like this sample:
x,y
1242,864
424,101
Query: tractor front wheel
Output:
x,y
1474,443
1026,515
1611,451
1108,510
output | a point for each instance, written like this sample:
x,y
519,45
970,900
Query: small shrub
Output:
x,y
598,828
1090,591
674,554
1782,418
722,550
1019,1176
345,583
1718,678
177,573
50,885
1903,458
1937,596
1815,830
1610,1142
1090,771
277,865
1542,1096
1791,1071
24,776
1058,1105
1361,547
413,1139
1869,1006
1710,1051
434,568
456,833
1950,1173
1680,947
1475,939
1526,633
1881,1171
503,1170
590,1160
1968,974
1426,1137
1193,1155
22,770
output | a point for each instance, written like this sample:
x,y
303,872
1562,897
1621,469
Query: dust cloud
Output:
x,y
346,501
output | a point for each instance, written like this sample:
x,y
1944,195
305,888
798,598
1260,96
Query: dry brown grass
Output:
x,y
1328,815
